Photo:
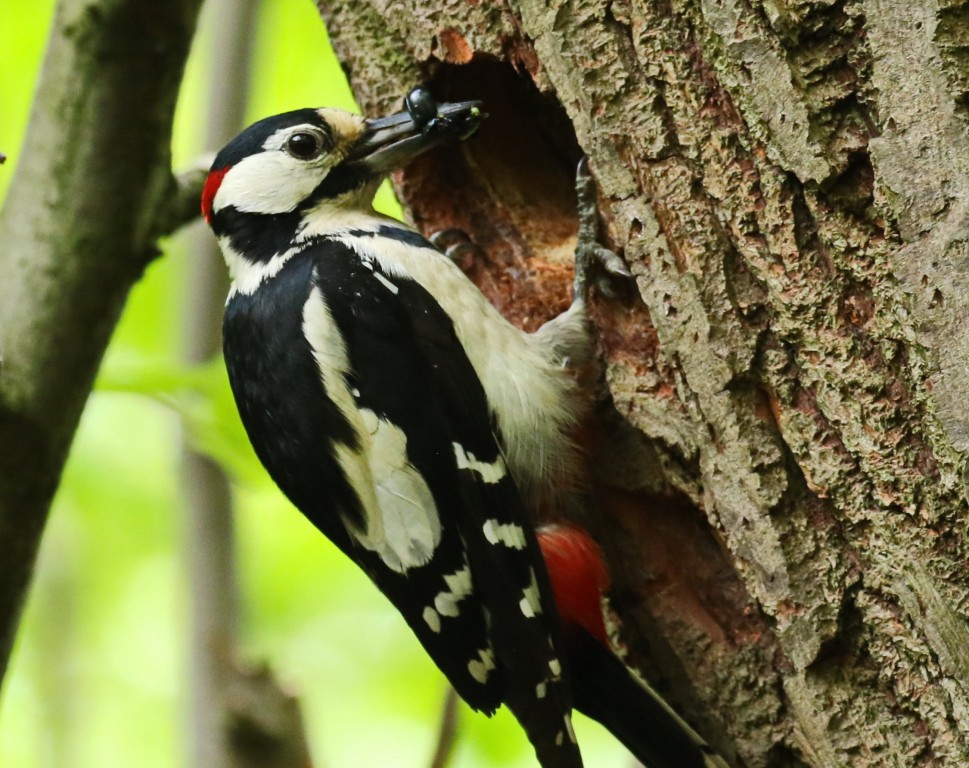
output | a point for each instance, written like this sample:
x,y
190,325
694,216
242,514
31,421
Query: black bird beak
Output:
x,y
390,142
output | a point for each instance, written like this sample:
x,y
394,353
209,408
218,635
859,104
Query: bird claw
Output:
x,y
588,251
457,246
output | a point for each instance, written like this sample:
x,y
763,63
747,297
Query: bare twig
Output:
x,y
263,723
447,731
206,492
183,205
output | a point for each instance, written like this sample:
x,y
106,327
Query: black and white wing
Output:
x,y
441,527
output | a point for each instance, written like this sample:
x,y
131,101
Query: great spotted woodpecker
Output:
x,y
396,408
602,686
393,405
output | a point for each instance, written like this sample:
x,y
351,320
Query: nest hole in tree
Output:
x,y
510,188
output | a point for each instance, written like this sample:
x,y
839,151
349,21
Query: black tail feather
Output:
x,y
605,690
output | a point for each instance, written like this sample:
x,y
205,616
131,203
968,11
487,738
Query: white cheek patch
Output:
x,y
269,182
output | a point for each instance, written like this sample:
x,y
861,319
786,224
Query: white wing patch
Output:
x,y
412,528
489,472
510,534
403,526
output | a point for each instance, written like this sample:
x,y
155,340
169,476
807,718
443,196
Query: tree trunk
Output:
x,y
92,194
782,498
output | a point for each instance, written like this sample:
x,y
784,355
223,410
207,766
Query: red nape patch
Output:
x,y
212,184
579,576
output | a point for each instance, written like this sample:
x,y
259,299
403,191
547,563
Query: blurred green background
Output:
x,y
99,674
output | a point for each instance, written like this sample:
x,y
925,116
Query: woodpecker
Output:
x,y
392,403
603,688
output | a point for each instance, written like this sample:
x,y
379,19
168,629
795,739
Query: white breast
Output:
x,y
533,397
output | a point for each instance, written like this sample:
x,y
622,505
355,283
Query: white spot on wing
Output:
x,y
530,603
556,669
386,283
458,588
490,472
569,729
541,690
510,534
480,667
432,619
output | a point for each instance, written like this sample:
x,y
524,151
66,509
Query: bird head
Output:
x,y
282,169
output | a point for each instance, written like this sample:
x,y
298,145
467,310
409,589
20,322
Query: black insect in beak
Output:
x,y
390,142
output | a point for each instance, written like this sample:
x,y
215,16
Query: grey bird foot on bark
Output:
x,y
589,253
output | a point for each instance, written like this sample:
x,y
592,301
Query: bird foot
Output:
x,y
589,253
458,247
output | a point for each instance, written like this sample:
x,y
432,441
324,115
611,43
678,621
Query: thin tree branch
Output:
x,y
447,731
206,494
183,204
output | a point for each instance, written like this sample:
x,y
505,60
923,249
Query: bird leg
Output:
x,y
588,251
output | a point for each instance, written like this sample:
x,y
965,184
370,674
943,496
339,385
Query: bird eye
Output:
x,y
304,145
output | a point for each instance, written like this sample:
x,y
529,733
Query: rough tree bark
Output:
x,y
783,499
93,192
